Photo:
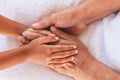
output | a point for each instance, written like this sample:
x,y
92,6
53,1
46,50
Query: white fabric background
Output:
x,y
102,38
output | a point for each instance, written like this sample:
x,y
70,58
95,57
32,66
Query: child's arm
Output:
x,y
11,28
34,52
12,57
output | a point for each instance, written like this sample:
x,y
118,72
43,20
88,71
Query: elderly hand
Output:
x,y
81,61
83,66
67,18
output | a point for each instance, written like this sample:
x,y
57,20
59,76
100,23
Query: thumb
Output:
x,y
46,39
44,23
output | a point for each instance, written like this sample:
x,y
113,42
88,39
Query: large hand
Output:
x,y
63,18
82,60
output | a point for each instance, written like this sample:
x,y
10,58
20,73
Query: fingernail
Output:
x,y
57,38
72,58
35,24
76,51
74,46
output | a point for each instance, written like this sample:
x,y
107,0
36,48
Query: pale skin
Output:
x,y
36,51
83,66
75,19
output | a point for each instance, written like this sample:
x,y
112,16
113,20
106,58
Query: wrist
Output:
x,y
25,52
82,14
28,53
95,70
84,70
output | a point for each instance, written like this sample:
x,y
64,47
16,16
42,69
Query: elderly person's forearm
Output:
x,y
75,19
98,71
96,9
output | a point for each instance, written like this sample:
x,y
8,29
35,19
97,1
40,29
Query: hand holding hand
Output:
x,y
77,68
42,52
67,18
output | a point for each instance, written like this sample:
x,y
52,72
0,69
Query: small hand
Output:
x,y
43,54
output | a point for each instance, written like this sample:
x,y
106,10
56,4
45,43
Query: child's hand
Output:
x,y
31,34
43,54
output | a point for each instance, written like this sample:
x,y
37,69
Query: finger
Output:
x,y
23,40
59,33
58,48
64,54
31,35
62,42
44,23
46,39
62,60
44,32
